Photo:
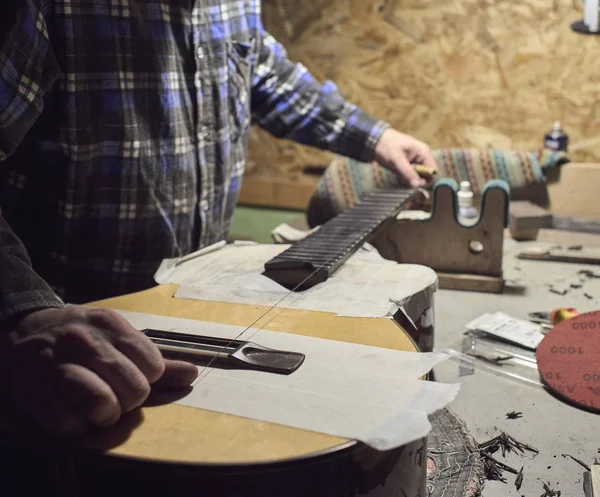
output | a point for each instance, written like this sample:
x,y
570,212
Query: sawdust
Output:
x,y
454,73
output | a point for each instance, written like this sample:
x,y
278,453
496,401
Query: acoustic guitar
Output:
x,y
169,449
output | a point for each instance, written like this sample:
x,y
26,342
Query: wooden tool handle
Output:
x,y
425,172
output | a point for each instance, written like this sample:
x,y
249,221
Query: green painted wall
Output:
x,y
256,223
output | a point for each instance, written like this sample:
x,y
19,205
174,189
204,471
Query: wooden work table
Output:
x,y
548,424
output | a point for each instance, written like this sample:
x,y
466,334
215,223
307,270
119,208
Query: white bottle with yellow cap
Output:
x,y
467,214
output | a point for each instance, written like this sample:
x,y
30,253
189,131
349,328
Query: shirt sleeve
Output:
x,y
288,102
21,289
28,69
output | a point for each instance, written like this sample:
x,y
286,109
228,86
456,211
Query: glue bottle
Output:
x,y
556,139
467,214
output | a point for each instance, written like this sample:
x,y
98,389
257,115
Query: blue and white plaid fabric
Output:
x,y
124,124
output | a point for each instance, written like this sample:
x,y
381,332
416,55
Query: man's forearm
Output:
x,y
21,288
288,102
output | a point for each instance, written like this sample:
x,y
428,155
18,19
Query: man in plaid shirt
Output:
x,y
123,138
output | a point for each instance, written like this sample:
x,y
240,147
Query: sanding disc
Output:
x,y
568,360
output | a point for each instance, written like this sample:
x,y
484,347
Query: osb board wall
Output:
x,y
464,73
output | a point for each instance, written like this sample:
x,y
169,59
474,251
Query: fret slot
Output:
x,y
318,256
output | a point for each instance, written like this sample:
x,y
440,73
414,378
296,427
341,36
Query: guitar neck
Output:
x,y
317,257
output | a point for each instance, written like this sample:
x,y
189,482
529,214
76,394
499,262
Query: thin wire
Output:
x,y
274,306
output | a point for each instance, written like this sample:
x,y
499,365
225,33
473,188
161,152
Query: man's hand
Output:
x,y
74,368
396,151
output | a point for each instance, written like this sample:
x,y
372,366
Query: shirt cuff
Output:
x,y
361,135
27,301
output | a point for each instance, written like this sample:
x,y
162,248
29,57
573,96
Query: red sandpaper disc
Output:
x,y
568,360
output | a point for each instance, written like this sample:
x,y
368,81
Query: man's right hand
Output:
x,y
74,368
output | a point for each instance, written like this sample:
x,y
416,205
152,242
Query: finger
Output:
x,y
407,172
58,418
28,385
88,347
89,396
50,412
427,158
178,374
131,342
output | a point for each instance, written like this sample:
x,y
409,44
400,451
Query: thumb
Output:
x,y
404,169
178,374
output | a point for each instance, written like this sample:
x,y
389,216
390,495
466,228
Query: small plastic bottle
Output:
x,y
556,139
467,214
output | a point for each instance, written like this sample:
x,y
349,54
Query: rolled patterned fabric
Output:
x,y
346,181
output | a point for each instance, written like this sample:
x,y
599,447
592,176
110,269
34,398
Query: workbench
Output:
x,y
548,424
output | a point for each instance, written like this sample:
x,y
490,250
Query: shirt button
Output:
x,y
200,53
204,131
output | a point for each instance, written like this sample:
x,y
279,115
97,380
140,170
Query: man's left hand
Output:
x,y
396,151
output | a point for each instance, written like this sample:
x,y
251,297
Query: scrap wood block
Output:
x,y
470,282
526,219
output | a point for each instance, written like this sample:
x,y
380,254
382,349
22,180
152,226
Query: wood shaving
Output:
x,y
519,479
549,492
514,415
578,461
505,444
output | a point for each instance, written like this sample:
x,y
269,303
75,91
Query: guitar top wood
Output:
x,y
176,433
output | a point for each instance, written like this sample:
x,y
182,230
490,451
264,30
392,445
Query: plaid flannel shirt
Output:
x,y
123,136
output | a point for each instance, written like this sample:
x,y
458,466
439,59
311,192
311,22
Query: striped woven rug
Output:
x,y
346,181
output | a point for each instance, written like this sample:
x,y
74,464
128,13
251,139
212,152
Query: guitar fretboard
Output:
x,y
319,255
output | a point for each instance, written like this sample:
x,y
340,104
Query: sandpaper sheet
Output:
x,y
568,359
367,285
353,391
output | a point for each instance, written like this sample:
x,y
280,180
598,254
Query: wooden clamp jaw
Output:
x,y
464,257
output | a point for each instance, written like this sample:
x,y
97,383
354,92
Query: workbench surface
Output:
x,y
548,424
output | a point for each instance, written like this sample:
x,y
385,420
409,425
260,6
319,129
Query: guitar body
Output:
x,y
42,469
169,449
